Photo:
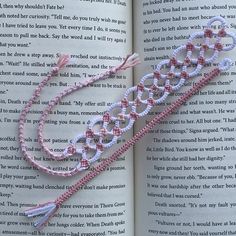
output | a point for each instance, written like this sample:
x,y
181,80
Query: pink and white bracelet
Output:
x,y
128,111
153,89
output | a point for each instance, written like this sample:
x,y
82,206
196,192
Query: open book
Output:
x,y
178,180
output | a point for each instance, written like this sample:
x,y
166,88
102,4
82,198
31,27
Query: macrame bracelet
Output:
x,y
47,210
127,110
157,90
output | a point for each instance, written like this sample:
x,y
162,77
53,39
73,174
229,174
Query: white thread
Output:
x,y
156,93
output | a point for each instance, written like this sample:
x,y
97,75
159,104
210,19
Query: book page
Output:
x,y
185,168
96,34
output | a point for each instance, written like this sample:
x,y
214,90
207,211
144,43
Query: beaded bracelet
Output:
x,y
156,85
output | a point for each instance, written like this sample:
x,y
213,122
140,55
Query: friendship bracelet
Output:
x,y
121,116
130,61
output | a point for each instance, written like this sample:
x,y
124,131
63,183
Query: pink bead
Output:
x,y
134,115
170,75
168,88
71,150
117,131
84,163
100,146
208,33
201,60
218,47
140,87
187,61
106,117
154,88
124,103
189,47
184,75
137,102
222,33
151,101
89,133
173,61
205,47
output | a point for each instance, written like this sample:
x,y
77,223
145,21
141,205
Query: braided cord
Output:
x,y
130,61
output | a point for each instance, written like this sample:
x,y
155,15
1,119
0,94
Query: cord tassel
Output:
x,y
130,61
46,210
62,61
